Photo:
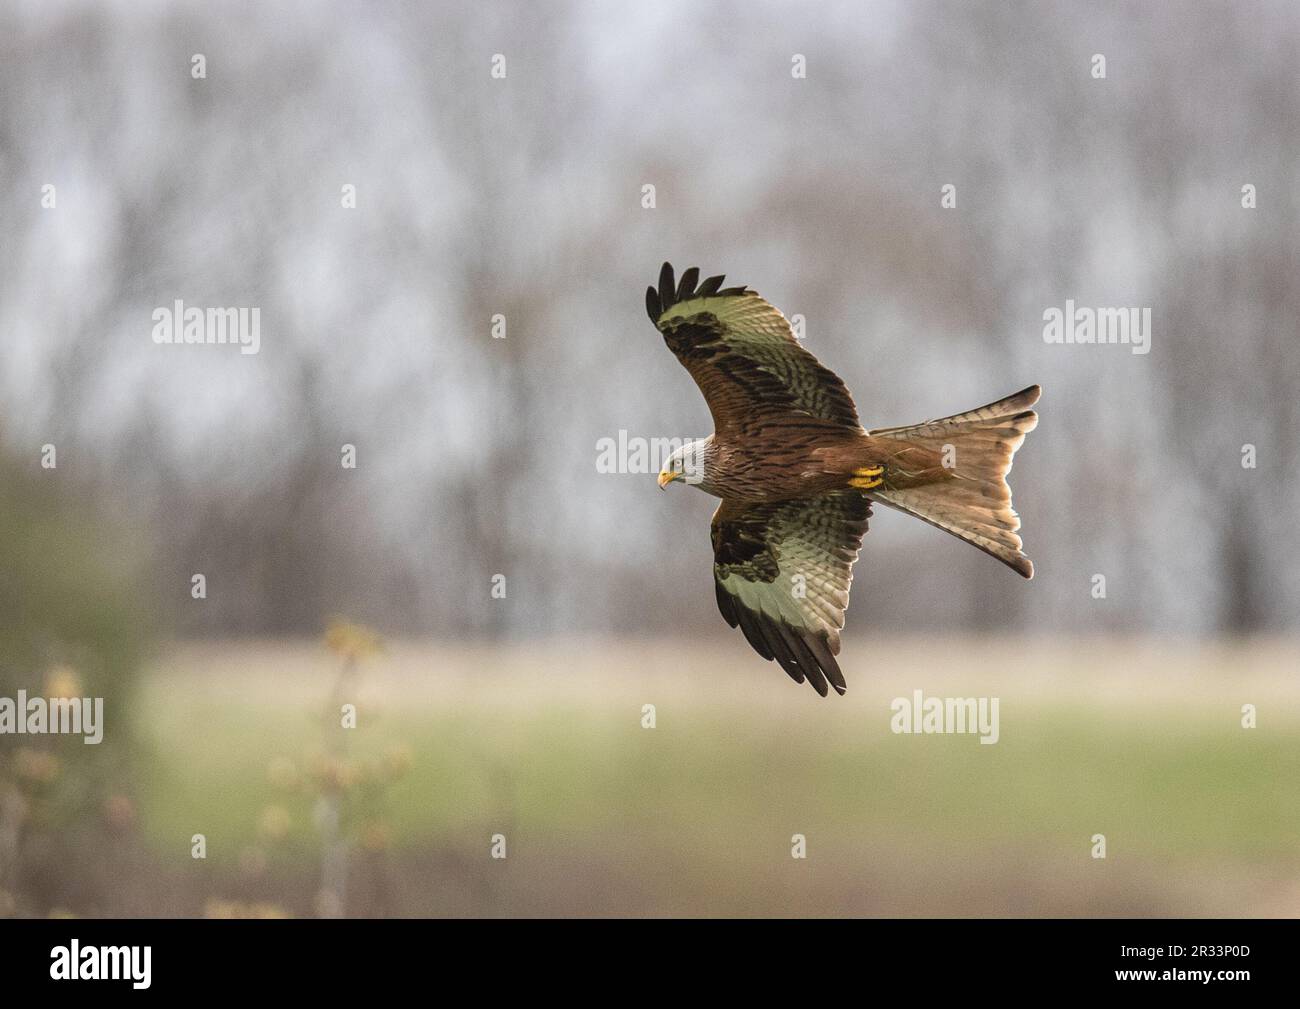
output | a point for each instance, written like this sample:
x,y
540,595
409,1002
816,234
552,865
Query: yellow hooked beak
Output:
x,y
668,476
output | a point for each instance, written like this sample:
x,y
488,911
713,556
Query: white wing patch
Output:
x,y
747,315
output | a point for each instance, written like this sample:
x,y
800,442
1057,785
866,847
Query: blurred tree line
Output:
x,y
521,197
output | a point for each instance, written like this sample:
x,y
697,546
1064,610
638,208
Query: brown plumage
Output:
x,y
797,473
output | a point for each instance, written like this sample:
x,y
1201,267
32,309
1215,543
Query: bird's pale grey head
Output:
x,y
687,464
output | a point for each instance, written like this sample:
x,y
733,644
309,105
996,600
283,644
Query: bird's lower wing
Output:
x,y
782,571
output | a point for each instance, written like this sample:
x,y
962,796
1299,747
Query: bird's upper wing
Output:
x,y
782,571
743,356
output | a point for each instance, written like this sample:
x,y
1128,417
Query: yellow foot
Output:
x,y
867,478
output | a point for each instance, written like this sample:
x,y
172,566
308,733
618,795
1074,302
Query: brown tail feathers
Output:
x,y
952,473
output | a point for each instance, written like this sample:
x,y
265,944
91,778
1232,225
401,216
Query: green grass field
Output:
x,y
1140,742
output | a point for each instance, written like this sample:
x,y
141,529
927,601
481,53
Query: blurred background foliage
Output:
x,y
74,622
74,588
522,197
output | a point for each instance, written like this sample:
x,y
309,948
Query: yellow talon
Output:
x,y
867,478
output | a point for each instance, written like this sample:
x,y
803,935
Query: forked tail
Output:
x,y
952,473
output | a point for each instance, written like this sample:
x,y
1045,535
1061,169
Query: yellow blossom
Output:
x,y
274,823
397,760
334,774
351,641
62,681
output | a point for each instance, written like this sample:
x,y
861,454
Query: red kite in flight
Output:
x,y
797,474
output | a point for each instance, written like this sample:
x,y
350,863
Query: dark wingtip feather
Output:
x,y
670,293
667,288
726,605
818,681
794,642
801,653
652,305
710,286
753,631
686,289
822,653
791,668
781,653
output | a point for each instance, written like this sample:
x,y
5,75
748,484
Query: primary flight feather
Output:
x,y
797,474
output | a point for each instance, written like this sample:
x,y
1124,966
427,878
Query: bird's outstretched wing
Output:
x,y
743,356
782,571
